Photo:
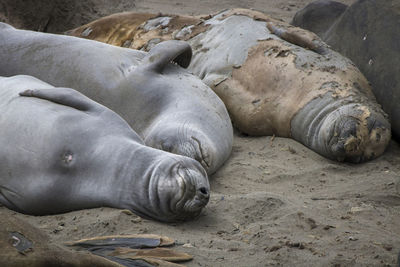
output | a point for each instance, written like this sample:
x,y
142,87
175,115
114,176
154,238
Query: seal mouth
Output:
x,y
344,143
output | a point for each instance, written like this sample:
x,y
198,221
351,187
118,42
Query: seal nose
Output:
x,y
345,142
204,193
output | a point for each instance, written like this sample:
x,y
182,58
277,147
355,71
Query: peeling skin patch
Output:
x,y
184,32
331,84
86,32
135,30
156,23
214,56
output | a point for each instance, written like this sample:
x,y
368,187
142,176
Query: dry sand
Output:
x,y
274,202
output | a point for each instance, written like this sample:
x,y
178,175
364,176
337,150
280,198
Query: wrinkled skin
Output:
x,y
274,79
62,151
168,107
371,32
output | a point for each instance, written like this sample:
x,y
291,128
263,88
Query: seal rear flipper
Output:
x,y
163,53
63,96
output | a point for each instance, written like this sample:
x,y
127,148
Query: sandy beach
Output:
x,y
274,202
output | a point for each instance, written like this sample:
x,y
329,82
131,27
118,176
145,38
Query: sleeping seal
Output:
x,y
61,151
272,77
169,108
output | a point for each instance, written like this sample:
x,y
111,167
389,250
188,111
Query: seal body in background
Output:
x,y
368,33
62,151
167,106
275,79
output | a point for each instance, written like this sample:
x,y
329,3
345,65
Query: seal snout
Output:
x,y
196,189
204,192
358,137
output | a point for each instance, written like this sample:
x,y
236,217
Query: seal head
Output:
x,y
356,137
176,191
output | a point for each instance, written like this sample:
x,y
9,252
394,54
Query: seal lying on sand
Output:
x,y
169,108
273,78
62,151
368,33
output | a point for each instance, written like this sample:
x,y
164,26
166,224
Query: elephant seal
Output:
x,y
273,78
62,151
318,16
368,33
168,107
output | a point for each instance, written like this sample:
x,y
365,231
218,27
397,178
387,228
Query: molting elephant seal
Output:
x,y
273,78
169,108
62,151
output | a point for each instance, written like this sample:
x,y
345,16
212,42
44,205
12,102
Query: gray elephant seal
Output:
x,y
169,108
62,151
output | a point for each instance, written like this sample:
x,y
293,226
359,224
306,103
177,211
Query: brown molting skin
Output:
x,y
275,79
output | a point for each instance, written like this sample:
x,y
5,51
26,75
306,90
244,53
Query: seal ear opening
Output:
x,y
163,53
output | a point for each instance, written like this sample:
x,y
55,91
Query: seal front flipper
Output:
x,y
163,53
74,99
63,96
